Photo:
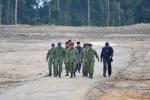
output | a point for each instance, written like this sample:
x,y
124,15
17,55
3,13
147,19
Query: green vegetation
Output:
x,y
75,12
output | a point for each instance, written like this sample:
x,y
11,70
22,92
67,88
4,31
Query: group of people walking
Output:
x,y
77,58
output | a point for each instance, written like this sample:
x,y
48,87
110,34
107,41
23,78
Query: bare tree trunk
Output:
x,y
8,12
49,10
16,11
89,19
58,6
101,1
119,14
113,19
0,13
108,13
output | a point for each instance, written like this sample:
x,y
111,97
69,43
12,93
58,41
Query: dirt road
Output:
x,y
23,68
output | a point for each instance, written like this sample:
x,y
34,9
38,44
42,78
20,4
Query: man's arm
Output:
x,y
112,52
96,55
101,56
48,53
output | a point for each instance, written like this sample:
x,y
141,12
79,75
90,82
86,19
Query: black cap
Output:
x,y
52,44
67,42
59,43
78,42
90,44
106,44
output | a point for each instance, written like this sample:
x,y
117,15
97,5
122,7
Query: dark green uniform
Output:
x,y
66,63
84,63
59,55
72,57
50,59
91,61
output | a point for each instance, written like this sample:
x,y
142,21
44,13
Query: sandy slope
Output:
x,y
23,66
65,88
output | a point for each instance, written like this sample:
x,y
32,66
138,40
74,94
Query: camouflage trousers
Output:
x,y
67,67
50,64
58,63
72,66
90,67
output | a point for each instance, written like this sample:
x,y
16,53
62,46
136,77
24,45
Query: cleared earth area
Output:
x,y
23,67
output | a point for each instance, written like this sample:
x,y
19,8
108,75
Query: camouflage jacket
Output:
x,y
59,53
72,55
90,55
50,54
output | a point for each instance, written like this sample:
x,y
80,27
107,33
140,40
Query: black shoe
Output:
x,y
104,75
56,74
91,76
109,75
50,74
67,74
74,74
86,75
71,75
59,75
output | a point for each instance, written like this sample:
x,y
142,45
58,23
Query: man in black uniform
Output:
x,y
79,49
106,57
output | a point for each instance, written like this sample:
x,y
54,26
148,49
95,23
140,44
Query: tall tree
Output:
x,y
8,12
89,17
0,11
58,5
49,10
16,11
108,12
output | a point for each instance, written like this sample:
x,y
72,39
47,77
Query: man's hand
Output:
x,y
110,57
101,60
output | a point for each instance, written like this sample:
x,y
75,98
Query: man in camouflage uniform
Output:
x,y
49,58
84,63
72,57
59,55
90,60
65,62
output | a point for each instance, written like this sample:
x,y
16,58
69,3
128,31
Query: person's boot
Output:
x,y
67,74
74,74
104,75
91,76
54,74
83,75
59,75
86,75
71,75
50,74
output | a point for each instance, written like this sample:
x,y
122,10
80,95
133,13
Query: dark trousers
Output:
x,y
107,65
78,67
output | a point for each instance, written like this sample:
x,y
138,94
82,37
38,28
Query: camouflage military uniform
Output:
x,y
66,63
59,55
72,57
50,59
84,63
91,61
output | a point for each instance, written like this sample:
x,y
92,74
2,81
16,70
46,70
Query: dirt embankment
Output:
x,y
132,83
23,50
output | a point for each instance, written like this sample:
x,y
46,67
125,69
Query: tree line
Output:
x,y
75,12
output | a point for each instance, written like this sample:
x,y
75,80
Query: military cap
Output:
x,y
52,44
78,42
59,43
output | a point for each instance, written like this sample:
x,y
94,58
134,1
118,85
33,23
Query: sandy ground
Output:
x,y
23,68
